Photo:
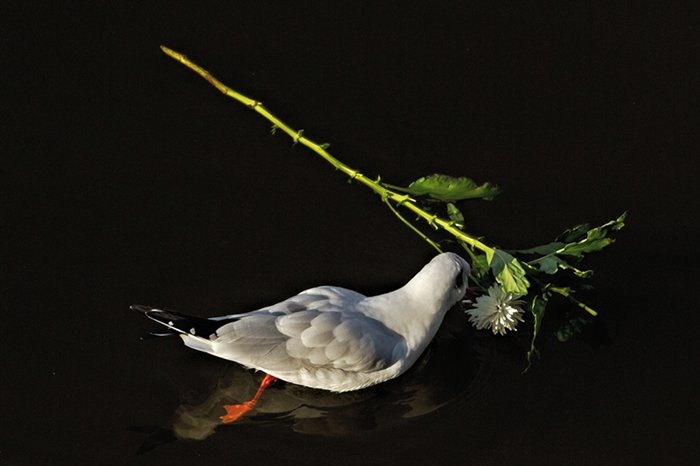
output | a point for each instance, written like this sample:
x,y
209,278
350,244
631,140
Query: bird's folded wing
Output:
x,y
322,336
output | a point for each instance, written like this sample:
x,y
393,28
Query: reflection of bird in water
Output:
x,y
447,373
329,337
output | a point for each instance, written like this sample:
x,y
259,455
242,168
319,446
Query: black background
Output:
x,y
126,178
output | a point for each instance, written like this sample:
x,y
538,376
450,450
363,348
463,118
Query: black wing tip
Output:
x,y
140,308
178,322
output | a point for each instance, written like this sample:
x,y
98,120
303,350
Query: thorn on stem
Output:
x,y
400,200
431,222
298,136
353,176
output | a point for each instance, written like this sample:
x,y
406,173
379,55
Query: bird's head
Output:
x,y
443,280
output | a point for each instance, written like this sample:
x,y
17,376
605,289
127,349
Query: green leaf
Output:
x,y
542,250
583,234
537,307
549,264
590,244
582,239
574,234
507,271
595,239
449,189
455,215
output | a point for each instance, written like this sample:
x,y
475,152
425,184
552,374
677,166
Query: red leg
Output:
x,y
234,412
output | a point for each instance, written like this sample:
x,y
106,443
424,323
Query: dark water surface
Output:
x,y
127,179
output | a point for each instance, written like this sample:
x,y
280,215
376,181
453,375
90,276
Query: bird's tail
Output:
x,y
178,323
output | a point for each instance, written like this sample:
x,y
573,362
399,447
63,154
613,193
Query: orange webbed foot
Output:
x,y
235,412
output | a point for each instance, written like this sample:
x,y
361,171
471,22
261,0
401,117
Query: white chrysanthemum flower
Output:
x,y
497,310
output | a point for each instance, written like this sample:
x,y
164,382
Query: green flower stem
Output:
x,y
413,227
567,294
297,136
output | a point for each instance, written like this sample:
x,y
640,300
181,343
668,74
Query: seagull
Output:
x,y
328,337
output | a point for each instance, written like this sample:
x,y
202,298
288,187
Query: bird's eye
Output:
x,y
459,280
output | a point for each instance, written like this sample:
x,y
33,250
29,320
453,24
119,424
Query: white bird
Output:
x,y
329,337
